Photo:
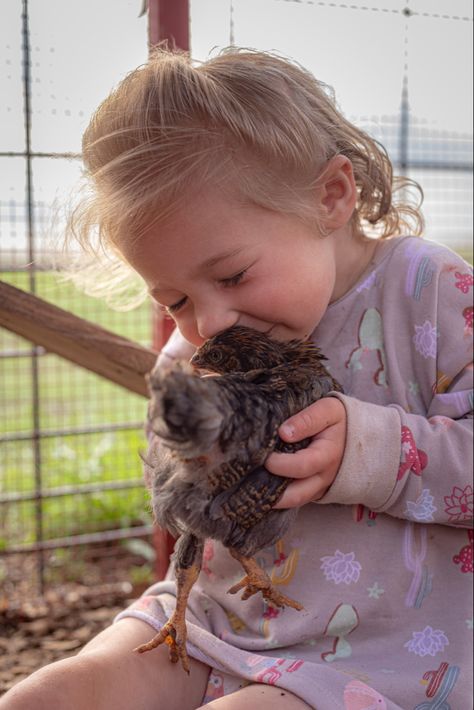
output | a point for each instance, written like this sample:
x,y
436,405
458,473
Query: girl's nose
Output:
x,y
213,319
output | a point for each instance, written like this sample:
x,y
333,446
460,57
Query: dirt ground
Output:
x,y
36,630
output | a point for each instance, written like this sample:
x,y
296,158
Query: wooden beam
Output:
x,y
116,358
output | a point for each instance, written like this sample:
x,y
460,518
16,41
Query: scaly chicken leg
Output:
x,y
206,462
173,633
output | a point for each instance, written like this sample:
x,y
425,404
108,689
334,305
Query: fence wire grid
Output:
x,y
70,471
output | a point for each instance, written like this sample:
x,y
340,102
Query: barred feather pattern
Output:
x,y
213,435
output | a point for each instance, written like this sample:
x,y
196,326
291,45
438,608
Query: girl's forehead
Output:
x,y
165,257
210,225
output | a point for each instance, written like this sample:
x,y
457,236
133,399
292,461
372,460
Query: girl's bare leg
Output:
x,y
263,697
107,674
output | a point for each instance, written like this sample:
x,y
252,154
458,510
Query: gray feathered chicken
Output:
x,y
213,435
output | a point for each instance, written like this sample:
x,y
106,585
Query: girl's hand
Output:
x,y
315,467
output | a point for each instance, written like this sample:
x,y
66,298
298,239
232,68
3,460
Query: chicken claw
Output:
x,y
173,634
257,580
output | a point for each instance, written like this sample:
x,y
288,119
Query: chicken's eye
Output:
x,y
215,356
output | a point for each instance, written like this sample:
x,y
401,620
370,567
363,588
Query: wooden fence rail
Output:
x,y
116,358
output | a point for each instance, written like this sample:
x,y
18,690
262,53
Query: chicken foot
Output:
x,y
173,633
257,580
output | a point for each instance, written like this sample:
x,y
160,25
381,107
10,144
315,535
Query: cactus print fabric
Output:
x,y
383,563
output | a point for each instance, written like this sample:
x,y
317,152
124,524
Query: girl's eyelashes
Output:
x,y
230,281
233,280
176,306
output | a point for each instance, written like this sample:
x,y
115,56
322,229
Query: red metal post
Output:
x,y
167,20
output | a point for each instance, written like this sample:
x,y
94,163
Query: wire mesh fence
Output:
x,y
71,491
70,443
69,439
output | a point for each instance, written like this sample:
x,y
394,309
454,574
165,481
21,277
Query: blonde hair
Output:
x,y
249,119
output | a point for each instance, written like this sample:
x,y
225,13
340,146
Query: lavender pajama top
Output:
x,y
383,563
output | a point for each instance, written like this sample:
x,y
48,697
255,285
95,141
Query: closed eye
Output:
x,y
233,280
174,307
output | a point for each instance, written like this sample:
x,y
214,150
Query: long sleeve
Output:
x,y
384,571
175,348
412,457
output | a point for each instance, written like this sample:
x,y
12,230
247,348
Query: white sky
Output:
x,y
80,50
361,53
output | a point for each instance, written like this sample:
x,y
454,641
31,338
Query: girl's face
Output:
x,y
217,263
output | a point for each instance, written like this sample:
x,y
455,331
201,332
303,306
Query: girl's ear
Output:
x,y
337,193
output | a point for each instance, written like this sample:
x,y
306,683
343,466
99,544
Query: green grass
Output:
x,y
466,254
134,324
70,396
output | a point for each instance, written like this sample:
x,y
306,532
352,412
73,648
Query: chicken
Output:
x,y
213,434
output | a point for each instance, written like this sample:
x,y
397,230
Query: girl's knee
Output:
x,y
108,674
265,697
57,685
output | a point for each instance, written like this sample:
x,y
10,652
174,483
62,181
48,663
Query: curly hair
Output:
x,y
245,118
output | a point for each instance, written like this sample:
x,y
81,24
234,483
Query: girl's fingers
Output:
x,y
303,491
313,419
323,454
301,464
315,467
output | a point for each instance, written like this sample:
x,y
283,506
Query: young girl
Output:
x,y
240,194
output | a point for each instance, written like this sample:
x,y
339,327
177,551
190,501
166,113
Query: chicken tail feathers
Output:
x,y
184,412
